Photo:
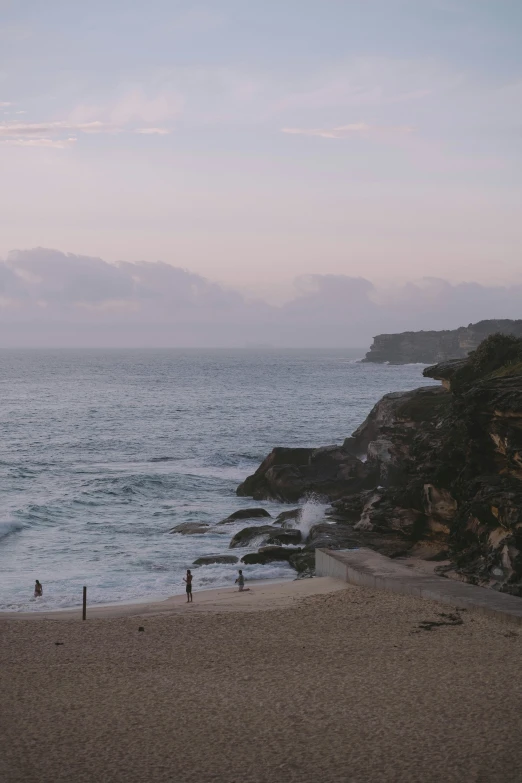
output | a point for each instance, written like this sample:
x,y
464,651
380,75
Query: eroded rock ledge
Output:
x,y
437,468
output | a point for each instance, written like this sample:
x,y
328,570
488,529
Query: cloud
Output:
x,y
350,131
5,104
152,131
20,134
36,128
134,107
57,144
52,298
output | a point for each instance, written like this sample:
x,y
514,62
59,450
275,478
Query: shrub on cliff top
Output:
x,y
495,355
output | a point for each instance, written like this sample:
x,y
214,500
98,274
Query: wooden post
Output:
x,y
84,616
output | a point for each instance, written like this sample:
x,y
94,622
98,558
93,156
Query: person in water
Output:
x,y
188,582
38,589
241,582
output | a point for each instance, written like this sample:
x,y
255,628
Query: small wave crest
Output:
x,y
8,527
215,575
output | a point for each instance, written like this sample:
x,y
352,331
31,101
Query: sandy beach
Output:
x,y
307,681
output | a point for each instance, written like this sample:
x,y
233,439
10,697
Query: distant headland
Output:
x,y
430,347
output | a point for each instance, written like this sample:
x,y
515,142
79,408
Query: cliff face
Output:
x,y
427,347
438,466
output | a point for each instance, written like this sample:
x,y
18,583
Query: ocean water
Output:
x,y
103,452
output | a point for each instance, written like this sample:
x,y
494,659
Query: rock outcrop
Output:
x,y
442,465
290,475
427,347
191,528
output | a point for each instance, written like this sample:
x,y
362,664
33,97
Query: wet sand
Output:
x,y
258,595
310,681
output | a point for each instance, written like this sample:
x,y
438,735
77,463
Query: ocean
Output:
x,y
102,452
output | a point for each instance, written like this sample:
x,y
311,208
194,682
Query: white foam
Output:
x,y
155,586
312,513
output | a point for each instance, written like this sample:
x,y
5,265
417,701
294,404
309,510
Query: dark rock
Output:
x,y
444,371
348,508
268,554
210,559
331,536
269,535
443,470
286,518
400,413
303,561
282,537
191,528
253,485
245,513
457,467
289,475
246,536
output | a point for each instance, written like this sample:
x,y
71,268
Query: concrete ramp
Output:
x,y
367,568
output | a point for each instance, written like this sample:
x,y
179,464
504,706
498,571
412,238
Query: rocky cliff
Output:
x,y
428,347
437,468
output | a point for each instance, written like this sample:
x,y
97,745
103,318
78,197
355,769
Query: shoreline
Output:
x,y
263,594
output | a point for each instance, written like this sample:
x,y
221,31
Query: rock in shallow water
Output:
x,y
268,554
246,513
191,528
211,559
288,518
249,534
269,535
286,536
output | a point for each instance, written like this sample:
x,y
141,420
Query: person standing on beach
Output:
x,y
38,589
241,582
188,582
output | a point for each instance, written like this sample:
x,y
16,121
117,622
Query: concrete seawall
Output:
x,y
367,568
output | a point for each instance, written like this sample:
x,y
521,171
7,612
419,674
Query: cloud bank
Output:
x,y
353,130
49,298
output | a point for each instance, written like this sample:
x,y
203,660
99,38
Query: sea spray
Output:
x,y
312,513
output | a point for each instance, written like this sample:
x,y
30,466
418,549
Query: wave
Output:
x,y
6,528
219,469
138,484
217,575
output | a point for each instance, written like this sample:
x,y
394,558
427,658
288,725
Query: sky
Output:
x,y
259,146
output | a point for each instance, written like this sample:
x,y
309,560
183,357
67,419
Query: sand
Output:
x,y
310,681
